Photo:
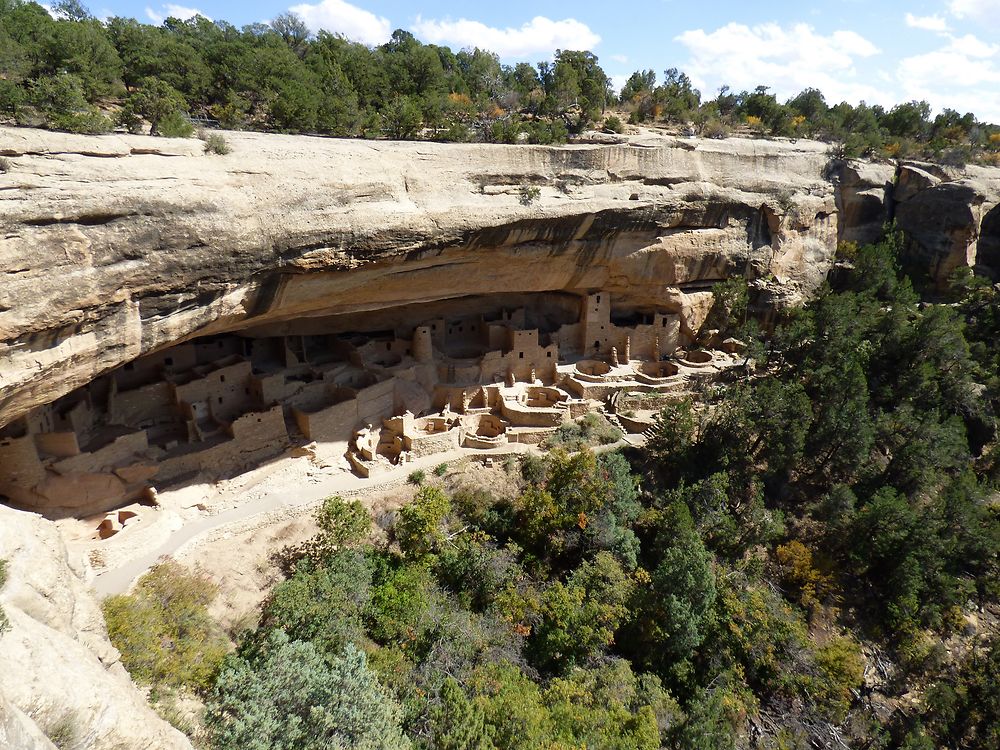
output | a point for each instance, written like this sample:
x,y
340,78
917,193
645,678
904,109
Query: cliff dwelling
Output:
x,y
475,373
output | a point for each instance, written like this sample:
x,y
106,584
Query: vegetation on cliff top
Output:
x,y
76,73
808,558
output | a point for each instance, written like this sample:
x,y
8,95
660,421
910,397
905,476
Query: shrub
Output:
x,y
847,250
175,125
591,429
841,671
215,143
715,129
528,194
161,104
323,603
417,477
418,529
163,630
60,725
799,573
342,523
440,470
613,124
294,697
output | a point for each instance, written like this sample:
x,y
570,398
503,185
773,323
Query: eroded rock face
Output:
x,y
59,669
864,199
116,246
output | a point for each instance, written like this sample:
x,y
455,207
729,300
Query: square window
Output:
x,y
520,355
548,354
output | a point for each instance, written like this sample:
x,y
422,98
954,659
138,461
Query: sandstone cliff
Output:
x,y
115,246
950,216
60,673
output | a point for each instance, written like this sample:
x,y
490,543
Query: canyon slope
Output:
x,y
114,247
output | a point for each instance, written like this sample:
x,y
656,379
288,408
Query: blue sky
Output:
x,y
945,51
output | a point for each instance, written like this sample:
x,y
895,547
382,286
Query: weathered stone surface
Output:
x,y
911,179
115,246
864,199
944,211
57,660
109,251
942,224
949,216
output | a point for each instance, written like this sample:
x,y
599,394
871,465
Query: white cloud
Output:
x,y
618,81
963,75
173,11
785,58
984,11
623,59
540,35
927,23
340,17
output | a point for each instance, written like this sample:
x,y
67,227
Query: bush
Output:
x,y
591,429
715,129
341,524
417,477
163,630
215,143
294,697
175,125
418,529
440,470
60,725
162,105
322,603
528,194
613,124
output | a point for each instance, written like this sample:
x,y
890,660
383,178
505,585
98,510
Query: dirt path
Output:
x,y
294,500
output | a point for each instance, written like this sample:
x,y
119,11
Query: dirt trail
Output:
x,y
295,499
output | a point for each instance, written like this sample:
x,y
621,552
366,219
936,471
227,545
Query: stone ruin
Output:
x,y
221,405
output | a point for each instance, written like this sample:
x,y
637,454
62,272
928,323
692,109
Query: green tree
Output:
x,y
293,30
457,723
678,603
163,630
419,528
323,603
579,618
293,697
160,104
401,118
